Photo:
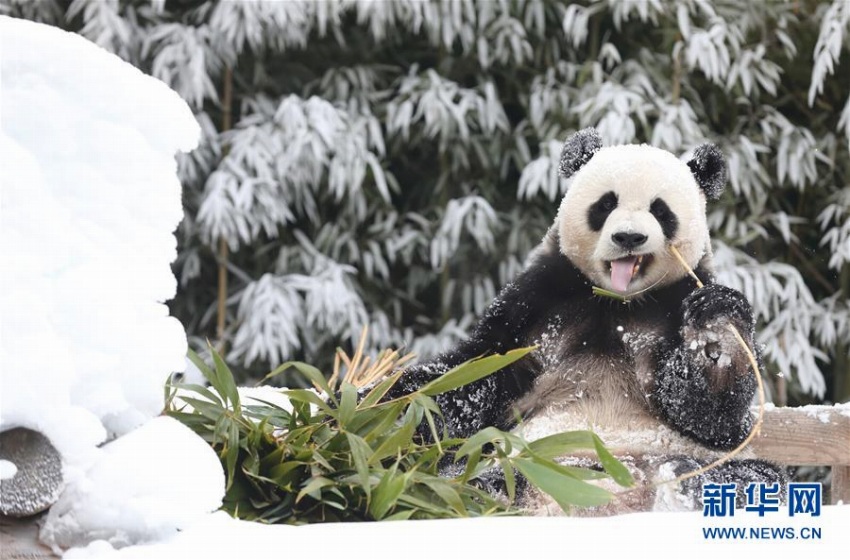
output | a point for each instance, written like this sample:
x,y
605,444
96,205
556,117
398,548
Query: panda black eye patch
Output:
x,y
666,218
600,210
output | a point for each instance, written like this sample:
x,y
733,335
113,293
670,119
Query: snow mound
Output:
x,y
90,201
135,492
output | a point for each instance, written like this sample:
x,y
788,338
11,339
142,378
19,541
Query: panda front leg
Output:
x,y
705,384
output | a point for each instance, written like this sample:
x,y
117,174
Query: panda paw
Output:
x,y
713,304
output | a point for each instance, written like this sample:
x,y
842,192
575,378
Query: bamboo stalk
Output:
x,y
222,253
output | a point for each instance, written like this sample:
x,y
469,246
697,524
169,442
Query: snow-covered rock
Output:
x,y
143,487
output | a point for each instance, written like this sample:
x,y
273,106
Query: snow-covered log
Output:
x,y
809,435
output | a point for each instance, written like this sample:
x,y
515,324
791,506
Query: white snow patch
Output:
x,y
144,486
667,496
8,469
661,534
821,412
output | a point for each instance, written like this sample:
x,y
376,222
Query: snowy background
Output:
x,y
392,163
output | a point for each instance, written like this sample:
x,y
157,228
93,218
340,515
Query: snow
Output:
x,y
134,492
90,199
8,469
662,534
822,412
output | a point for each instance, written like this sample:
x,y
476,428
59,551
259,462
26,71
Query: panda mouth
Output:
x,y
624,270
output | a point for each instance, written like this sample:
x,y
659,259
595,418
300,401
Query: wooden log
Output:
x,y
840,484
809,435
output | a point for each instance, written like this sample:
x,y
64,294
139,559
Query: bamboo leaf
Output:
x,y
313,488
226,385
381,389
612,466
401,439
308,396
347,404
557,445
402,515
311,373
448,495
479,440
360,453
565,490
510,478
472,371
232,453
205,370
372,423
201,390
386,493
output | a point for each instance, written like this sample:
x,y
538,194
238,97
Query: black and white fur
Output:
x,y
661,379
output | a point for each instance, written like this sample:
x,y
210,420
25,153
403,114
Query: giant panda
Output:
x,y
661,379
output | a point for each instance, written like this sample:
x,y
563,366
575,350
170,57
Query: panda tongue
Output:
x,y
621,273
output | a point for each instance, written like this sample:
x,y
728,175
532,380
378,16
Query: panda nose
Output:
x,y
628,241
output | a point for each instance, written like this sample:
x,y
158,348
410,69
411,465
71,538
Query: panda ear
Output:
x,y
577,150
709,168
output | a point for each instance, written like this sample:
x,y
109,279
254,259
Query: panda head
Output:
x,y
627,204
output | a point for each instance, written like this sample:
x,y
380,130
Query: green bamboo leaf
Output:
x,y
433,427
313,488
232,453
473,461
379,390
372,422
347,403
581,473
565,490
282,473
402,515
311,373
447,494
308,396
387,492
227,386
360,453
612,466
471,371
205,370
191,419
479,440
206,408
201,390
557,445
399,440
170,391
510,478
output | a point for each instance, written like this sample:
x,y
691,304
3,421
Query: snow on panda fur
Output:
x,y
661,379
